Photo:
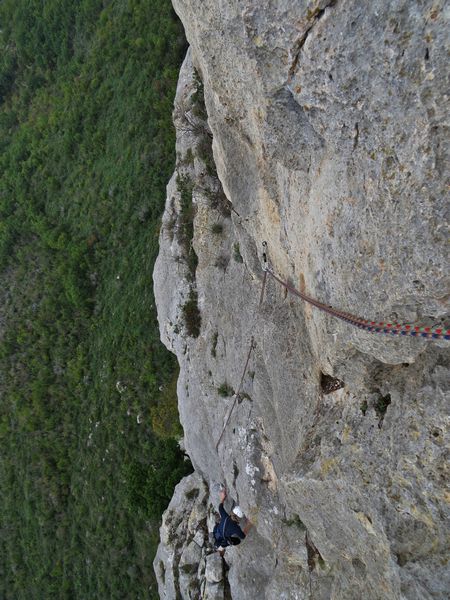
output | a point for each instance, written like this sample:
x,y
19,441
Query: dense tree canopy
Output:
x,y
86,149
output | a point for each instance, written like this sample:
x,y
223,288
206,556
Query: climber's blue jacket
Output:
x,y
227,532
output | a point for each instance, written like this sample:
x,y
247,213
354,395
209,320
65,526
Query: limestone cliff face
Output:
x,y
327,121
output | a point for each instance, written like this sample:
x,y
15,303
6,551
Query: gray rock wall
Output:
x,y
328,123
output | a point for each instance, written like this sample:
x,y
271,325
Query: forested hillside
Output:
x,y
86,149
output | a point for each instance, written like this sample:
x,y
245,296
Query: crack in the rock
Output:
x,y
356,137
226,582
316,16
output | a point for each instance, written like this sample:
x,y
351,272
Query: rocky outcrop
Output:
x,y
185,564
322,132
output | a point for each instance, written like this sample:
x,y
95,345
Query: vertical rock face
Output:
x,y
323,133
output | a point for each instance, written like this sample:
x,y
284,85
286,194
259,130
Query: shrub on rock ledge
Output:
x,y
191,315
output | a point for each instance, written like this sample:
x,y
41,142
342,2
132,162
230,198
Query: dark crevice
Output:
x,y
313,553
359,567
401,559
356,136
235,472
381,407
226,584
315,16
330,384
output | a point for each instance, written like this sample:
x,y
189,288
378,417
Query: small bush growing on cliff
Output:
x,y
217,228
225,390
187,211
237,253
198,98
171,221
186,223
191,315
381,407
205,153
192,494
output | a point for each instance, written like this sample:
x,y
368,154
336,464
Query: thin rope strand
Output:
x,y
241,383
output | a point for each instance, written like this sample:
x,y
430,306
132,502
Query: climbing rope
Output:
x,y
402,329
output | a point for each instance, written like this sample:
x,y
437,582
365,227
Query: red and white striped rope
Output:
x,y
438,332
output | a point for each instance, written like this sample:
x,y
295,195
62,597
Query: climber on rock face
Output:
x,y
228,531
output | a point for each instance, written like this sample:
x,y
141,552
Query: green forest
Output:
x,y
88,419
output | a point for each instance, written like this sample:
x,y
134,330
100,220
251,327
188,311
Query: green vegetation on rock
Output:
x,y
86,150
225,390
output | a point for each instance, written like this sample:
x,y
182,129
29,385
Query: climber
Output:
x,y
228,532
